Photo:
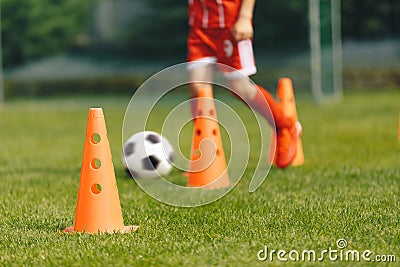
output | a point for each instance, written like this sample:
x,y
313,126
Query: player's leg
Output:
x,y
260,100
201,62
201,77
239,56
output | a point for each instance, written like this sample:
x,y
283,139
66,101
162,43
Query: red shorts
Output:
x,y
217,46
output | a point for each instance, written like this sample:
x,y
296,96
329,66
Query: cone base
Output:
x,y
299,158
127,230
201,180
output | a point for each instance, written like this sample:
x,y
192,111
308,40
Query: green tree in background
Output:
x,y
281,24
33,29
40,28
370,19
161,32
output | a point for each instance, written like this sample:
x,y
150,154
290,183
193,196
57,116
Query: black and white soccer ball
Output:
x,y
147,155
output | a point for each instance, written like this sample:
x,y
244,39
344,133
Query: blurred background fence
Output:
x,y
111,46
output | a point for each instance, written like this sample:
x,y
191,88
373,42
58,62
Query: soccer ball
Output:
x,y
147,155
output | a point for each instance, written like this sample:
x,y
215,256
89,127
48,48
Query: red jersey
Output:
x,y
213,13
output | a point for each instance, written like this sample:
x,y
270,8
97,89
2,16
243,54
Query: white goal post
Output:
x,y
326,49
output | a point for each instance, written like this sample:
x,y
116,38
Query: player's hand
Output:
x,y
242,30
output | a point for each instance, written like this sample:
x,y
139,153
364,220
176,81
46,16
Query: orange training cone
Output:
x,y
98,209
286,96
208,165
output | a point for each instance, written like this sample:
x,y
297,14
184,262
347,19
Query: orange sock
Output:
x,y
260,103
271,114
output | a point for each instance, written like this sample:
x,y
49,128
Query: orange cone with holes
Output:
x,y
208,164
285,95
98,209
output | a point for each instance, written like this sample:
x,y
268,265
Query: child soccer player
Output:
x,y
221,31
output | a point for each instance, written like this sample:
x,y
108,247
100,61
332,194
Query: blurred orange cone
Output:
x,y
285,95
208,165
98,209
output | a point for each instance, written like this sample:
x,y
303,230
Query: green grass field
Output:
x,y
348,188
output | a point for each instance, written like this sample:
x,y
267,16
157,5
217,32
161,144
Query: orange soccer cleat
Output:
x,y
289,148
287,138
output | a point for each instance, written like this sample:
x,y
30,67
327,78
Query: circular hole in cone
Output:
x,y
96,189
196,154
214,132
95,163
95,138
212,112
198,132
